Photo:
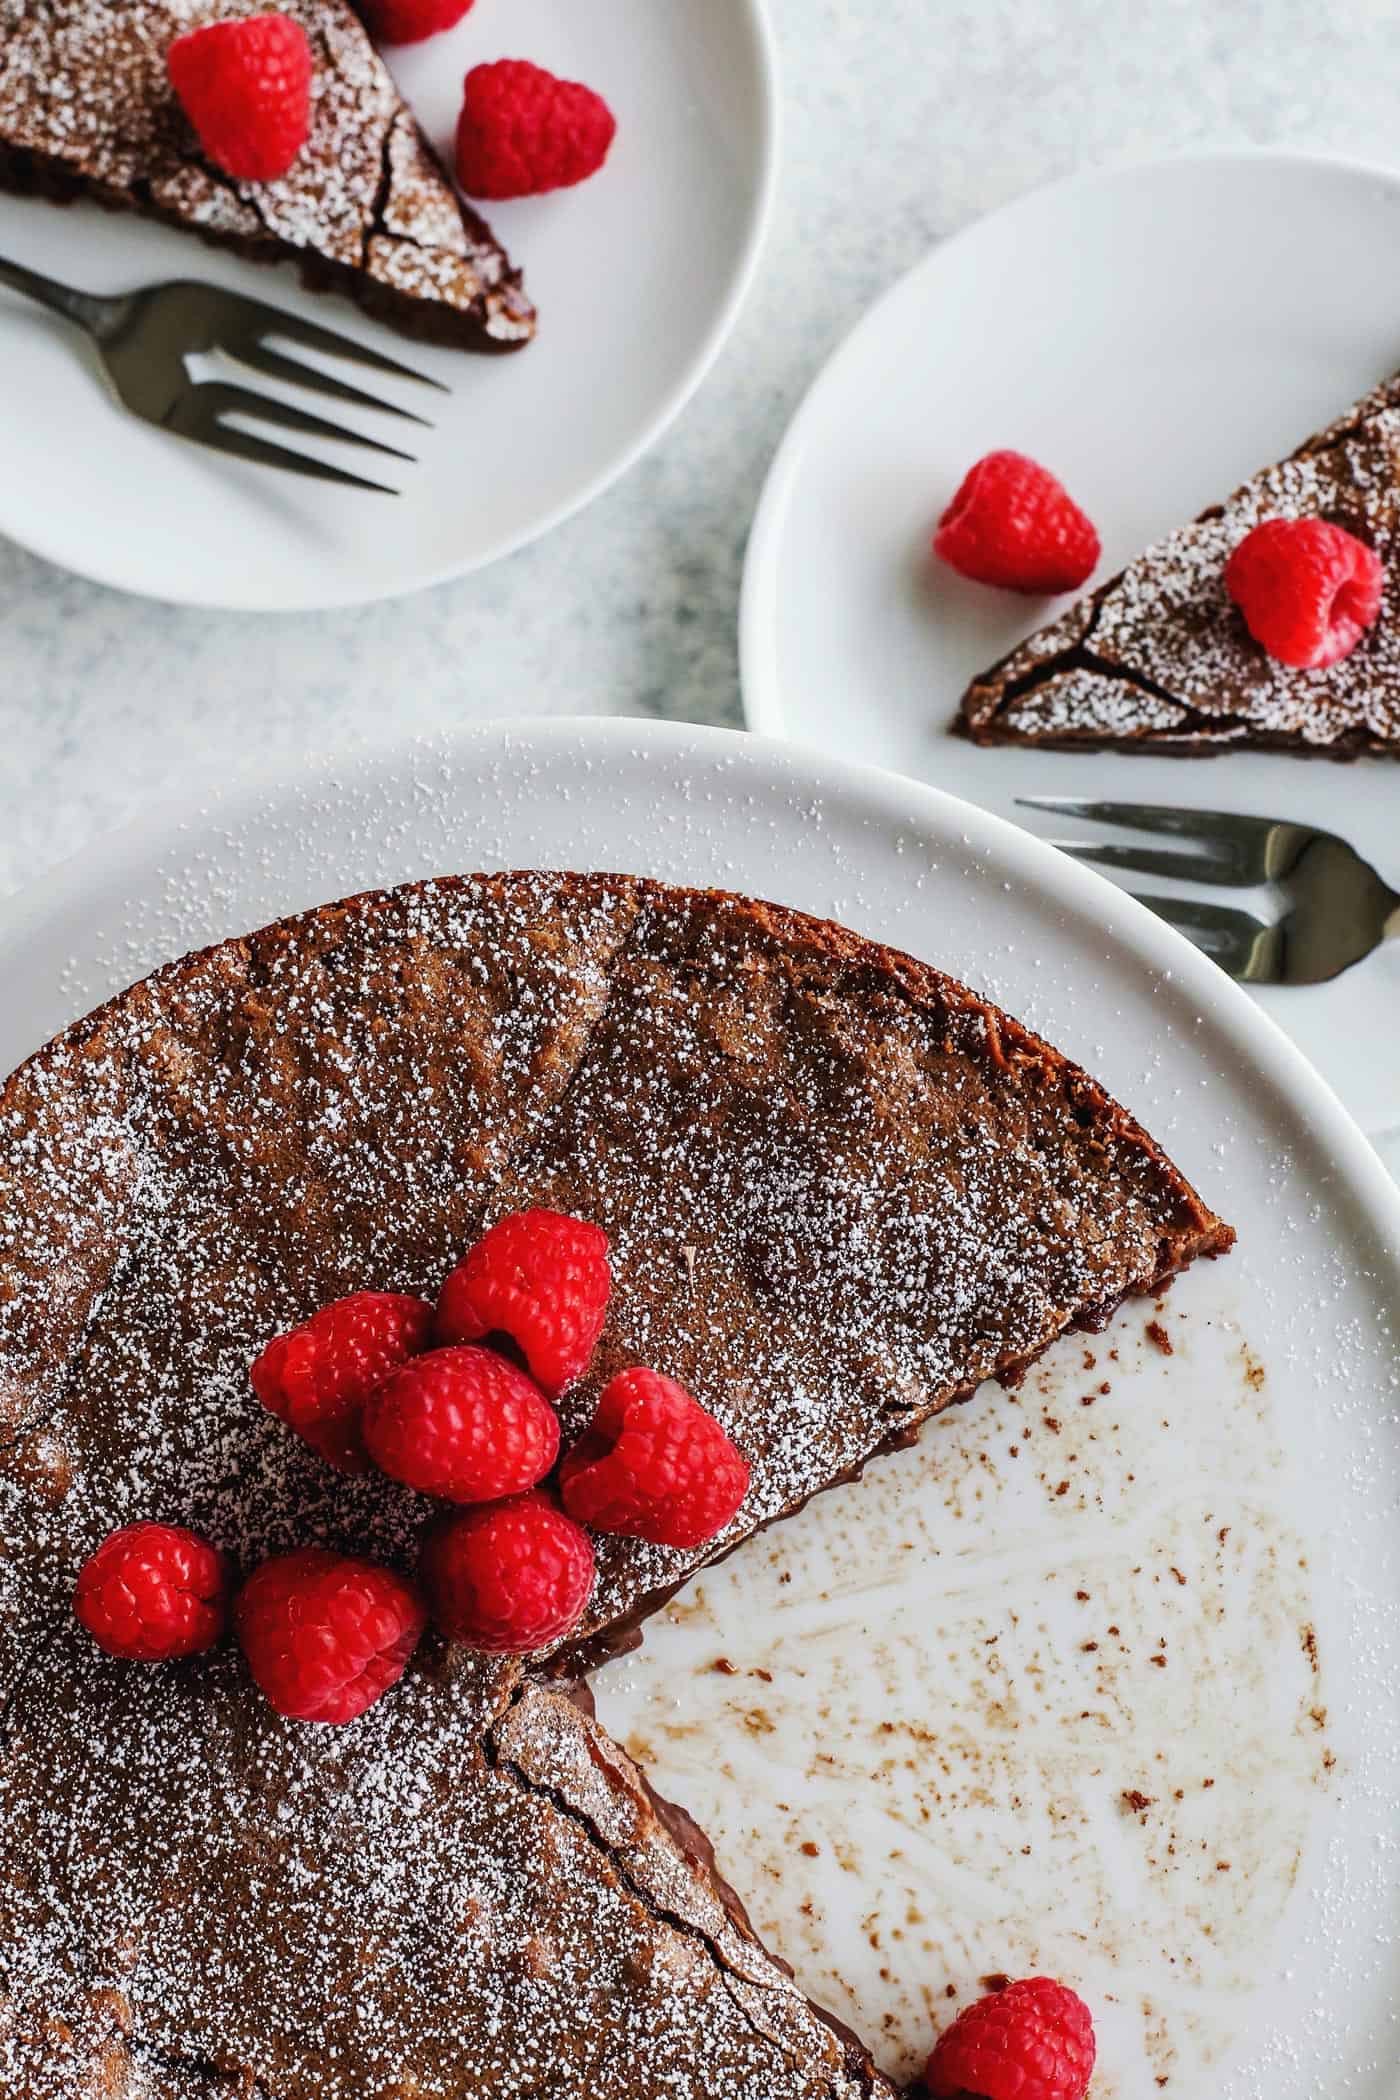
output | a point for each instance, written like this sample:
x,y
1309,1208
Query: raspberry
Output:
x,y
409,21
543,1280
317,1378
326,1635
1032,2041
153,1591
1307,589
463,1424
654,1465
246,88
521,131
1012,523
509,1578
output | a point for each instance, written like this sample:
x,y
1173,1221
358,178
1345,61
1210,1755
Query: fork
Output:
x,y
145,337
1338,909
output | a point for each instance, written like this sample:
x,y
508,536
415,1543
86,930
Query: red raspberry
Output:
x,y
654,1465
326,1635
409,21
246,88
1307,589
540,1278
509,1578
153,1591
1013,524
463,1424
521,131
317,1378
1032,2041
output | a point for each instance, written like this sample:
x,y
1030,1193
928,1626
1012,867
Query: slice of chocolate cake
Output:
x,y
86,110
1159,659
841,1190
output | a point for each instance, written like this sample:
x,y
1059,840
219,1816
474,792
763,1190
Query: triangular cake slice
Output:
x,y
86,110
841,1190
1159,659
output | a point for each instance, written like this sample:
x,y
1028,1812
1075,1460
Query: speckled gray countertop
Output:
x,y
903,121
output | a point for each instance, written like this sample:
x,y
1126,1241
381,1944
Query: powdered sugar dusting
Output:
x,y
839,1190
375,1910
83,87
1092,705
1160,653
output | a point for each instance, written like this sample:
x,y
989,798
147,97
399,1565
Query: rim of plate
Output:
x,y
760,683
109,864
169,833
755,14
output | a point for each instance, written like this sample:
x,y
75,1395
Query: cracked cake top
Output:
x,y
86,108
840,1191
1160,658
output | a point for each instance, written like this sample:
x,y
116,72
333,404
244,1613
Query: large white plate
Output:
x,y
1153,333
967,1667
638,276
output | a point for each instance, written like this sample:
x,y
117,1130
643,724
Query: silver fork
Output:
x,y
144,339
1337,907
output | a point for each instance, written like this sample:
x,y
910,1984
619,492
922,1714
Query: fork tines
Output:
x,y
1235,850
1336,907
202,413
248,331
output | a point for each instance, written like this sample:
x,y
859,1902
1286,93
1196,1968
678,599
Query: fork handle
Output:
x,y
83,307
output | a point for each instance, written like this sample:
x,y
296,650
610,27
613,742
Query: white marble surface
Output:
x,y
903,122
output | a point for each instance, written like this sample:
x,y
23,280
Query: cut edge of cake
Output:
x,y
542,1732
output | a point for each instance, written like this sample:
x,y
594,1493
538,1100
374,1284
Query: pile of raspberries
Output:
x,y
456,1401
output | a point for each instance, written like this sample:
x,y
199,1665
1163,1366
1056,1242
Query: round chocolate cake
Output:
x,y
840,1190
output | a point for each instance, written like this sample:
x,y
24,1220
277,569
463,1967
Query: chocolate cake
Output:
x,y
86,110
1159,659
841,1191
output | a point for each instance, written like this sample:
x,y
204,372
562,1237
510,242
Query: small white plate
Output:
x,y
956,1678
1154,334
638,275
